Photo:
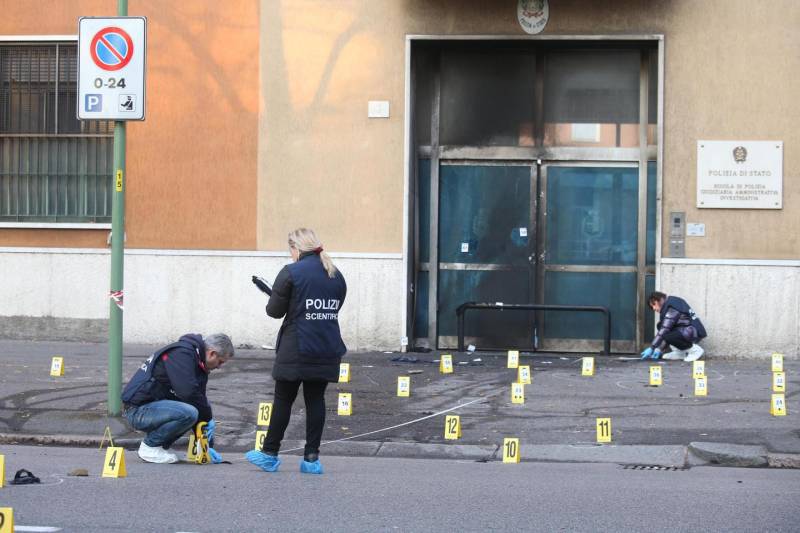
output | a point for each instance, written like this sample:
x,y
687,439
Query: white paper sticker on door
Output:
x,y
464,247
523,232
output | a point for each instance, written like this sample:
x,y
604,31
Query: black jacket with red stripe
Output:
x,y
175,372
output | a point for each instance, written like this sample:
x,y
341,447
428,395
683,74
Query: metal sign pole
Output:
x,y
117,260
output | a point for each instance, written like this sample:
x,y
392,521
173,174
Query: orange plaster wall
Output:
x,y
191,165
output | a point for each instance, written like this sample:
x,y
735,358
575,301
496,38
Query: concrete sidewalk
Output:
x,y
666,425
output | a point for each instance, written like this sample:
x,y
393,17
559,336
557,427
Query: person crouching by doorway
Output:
x,y
678,326
308,294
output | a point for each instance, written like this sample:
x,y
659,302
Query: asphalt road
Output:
x,y
374,494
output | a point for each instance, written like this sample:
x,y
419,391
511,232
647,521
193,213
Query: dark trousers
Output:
x,y
285,394
675,338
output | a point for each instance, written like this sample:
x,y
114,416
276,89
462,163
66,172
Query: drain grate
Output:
x,y
654,467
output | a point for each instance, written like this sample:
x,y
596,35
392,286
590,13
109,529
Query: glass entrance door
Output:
x,y
486,251
588,224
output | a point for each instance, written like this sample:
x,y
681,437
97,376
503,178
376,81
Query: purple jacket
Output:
x,y
677,315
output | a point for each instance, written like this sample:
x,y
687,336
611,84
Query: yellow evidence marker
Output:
x,y
345,404
57,367
114,465
777,362
517,393
6,520
701,386
513,358
2,470
603,430
779,382
264,413
198,445
452,427
587,369
655,376
260,436
344,373
510,450
403,386
698,369
446,364
777,406
524,374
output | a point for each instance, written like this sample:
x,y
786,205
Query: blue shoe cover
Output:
x,y
266,462
307,467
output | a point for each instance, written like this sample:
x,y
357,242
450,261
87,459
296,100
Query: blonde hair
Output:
x,y
305,240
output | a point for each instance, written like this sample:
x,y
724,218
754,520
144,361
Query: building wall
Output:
x,y
191,165
730,74
257,123
171,293
750,308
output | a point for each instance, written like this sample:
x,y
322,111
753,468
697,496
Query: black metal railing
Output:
x,y
463,308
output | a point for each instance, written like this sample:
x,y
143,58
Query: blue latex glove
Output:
x,y
648,352
210,428
657,354
215,457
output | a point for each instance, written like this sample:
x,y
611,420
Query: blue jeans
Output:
x,y
164,421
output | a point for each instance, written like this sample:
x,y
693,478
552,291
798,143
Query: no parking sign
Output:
x,y
111,68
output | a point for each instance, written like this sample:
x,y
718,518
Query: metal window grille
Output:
x,y
53,167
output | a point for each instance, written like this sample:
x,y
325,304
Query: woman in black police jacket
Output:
x,y
309,293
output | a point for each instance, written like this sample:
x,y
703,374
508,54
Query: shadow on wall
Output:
x,y
202,111
203,33
335,28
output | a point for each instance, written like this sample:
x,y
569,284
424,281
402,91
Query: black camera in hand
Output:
x,y
262,285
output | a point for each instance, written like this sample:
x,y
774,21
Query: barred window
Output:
x,y
53,167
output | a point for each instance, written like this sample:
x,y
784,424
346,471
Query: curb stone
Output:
x,y
783,460
696,454
730,454
77,441
421,450
660,455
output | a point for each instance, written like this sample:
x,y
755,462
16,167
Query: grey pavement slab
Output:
x,y
560,408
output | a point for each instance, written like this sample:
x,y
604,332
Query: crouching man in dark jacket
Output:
x,y
678,326
166,397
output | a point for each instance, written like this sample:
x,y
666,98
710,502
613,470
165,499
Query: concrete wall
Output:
x,y
170,292
750,309
173,292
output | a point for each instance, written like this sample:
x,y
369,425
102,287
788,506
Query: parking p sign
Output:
x,y
111,67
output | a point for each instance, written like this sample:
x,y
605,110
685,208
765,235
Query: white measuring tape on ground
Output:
x,y
394,427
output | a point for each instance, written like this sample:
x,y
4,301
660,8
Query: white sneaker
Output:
x,y
158,454
674,355
694,353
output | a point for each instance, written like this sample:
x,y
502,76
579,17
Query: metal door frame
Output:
x,y
583,345
641,154
532,239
